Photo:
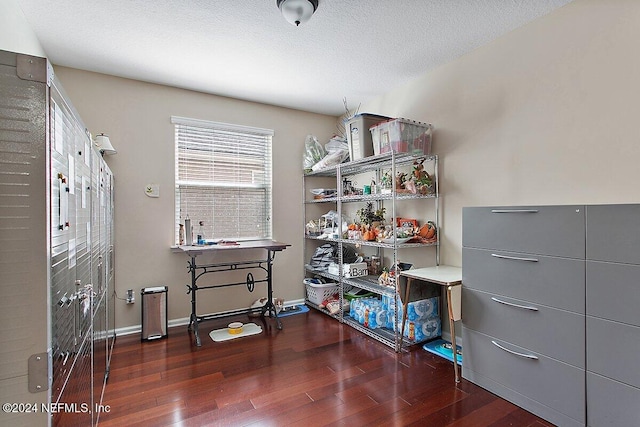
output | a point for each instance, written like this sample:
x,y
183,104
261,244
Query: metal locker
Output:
x,y
52,299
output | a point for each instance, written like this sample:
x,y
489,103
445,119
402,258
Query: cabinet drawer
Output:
x,y
613,233
555,333
549,230
613,291
613,349
610,403
555,282
535,384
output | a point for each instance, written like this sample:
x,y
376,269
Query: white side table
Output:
x,y
451,279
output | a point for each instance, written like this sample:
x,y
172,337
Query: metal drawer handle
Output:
x,y
526,307
526,356
515,258
514,210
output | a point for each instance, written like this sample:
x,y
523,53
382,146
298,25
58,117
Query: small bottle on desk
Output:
x,y
200,238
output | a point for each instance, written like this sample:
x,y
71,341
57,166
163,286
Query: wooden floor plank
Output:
x,y
315,371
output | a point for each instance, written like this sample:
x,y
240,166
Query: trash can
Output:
x,y
154,312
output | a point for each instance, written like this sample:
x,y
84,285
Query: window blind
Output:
x,y
223,178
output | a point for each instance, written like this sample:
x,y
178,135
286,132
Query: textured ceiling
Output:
x,y
353,49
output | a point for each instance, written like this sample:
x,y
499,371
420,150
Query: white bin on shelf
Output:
x,y
318,292
359,136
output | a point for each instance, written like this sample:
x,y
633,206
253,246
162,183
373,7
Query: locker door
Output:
x,y
69,326
110,299
72,308
24,237
100,342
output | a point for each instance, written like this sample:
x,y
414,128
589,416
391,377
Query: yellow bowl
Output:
x,y
235,328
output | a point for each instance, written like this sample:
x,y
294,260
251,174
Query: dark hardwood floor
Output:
x,y
313,372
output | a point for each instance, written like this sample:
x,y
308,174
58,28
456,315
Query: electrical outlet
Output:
x,y
130,297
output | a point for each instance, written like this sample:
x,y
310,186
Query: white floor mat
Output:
x,y
224,335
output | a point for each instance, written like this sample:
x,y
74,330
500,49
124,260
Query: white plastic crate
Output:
x,y
318,292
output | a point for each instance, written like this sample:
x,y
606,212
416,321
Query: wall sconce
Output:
x,y
104,144
297,12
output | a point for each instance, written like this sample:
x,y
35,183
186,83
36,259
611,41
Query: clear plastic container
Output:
x,y
402,136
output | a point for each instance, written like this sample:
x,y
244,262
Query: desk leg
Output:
x,y
270,307
193,319
452,326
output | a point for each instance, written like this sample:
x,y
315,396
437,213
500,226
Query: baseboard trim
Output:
x,y
136,329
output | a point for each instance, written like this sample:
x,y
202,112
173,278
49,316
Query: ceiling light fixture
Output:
x,y
103,143
297,12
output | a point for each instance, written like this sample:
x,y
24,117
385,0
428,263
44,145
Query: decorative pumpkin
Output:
x,y
428,230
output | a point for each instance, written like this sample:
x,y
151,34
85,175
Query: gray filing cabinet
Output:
x,y
613,315
523,305
550,309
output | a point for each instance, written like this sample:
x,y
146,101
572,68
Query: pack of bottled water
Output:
x,y
368,312
422,323
422,309
423,329
423,319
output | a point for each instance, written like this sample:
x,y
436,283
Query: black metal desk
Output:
x,y
197,271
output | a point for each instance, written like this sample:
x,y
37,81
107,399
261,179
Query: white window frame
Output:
x,y
225,189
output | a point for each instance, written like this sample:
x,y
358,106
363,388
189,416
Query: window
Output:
x,y
223,178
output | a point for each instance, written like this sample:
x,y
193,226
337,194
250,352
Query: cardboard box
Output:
x,y
350,270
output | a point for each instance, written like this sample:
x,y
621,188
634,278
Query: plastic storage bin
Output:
x,y
359,136
401,136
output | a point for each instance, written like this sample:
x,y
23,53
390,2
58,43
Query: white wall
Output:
x,y
547,114
136,116
15,33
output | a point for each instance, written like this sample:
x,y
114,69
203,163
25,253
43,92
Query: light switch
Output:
x,y
152,190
